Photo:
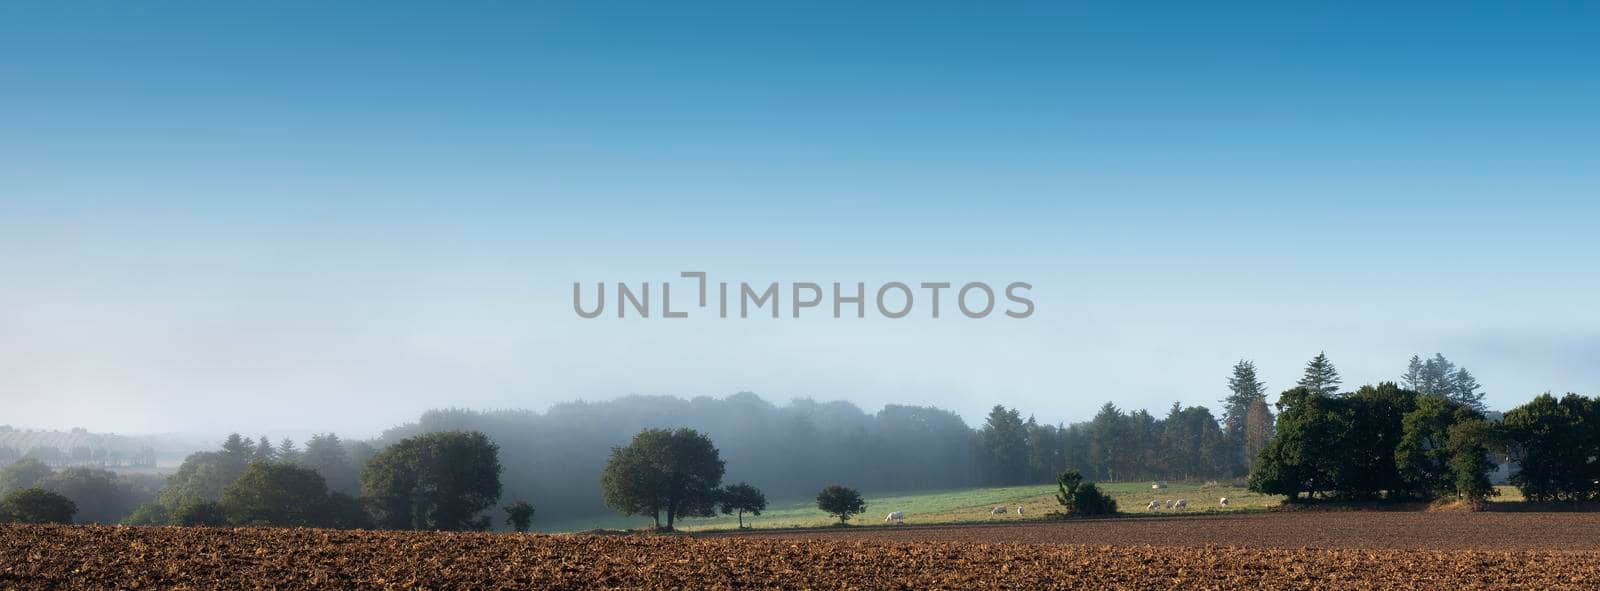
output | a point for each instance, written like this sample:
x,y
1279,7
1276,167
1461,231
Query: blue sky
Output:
x,y
365,210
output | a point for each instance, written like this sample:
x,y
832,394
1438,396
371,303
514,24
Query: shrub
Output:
x,y
36,505
199,513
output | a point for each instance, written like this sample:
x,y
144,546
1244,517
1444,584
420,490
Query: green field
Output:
x,y
952,506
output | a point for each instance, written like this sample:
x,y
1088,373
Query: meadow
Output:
x,y
971,505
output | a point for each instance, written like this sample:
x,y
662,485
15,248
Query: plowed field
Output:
x,y
1314,529
89,557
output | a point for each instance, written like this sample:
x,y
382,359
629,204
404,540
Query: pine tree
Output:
x,y
287,451
264,450
1414,374
1245,389
1465,389
1321,376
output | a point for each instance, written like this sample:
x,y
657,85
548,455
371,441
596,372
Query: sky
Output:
x,y
334,216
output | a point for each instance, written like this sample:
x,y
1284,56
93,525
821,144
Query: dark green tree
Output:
x,y
1555,442
1321,376
841,501
672,471
1067,484
277,494
197,512
1004,438
36,505
519,516
1469,441
1244,388
742,498
438,481
1108,434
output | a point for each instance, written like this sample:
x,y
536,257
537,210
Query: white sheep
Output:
x,y
998,510
1182,504
1169,503
1019,509
1224,501
897,516
1153,506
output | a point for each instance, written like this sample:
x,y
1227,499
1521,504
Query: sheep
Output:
x,y
1153,506
897,516
998,510
1169,503
1019,509
1182,504
1224,501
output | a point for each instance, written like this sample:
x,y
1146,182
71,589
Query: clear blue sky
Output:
x,y
287,215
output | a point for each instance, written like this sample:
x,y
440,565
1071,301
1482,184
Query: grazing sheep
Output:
x,y
1153,506
1182,504
1224,501
1169,503
897,516
998,510
1019,509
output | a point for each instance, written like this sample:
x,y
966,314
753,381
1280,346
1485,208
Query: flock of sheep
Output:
x,y
1176,504
1156,505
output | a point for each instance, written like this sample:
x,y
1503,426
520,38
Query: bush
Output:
x,y
36,505
151,513
1090,501
841,502
199,513
1078,498
519,516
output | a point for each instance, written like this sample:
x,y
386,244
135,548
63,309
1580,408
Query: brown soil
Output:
x,y
92,557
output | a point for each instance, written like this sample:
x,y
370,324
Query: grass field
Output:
x,y
953,506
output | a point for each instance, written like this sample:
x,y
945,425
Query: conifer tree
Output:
x,y
1321,377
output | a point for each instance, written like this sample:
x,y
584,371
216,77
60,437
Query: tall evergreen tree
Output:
x,y
1464,389
1414,374
1245,388
1004,437
1321,377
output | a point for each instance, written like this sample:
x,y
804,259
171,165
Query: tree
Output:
x,y
264,450
1470,465
673,471
1304,453
277,494
1258,429
1005,445
287,452
742,498
36,505
1244,388
1067,484
1423,456
1321,376
1555,443
326,454
98,494
1107,438
1464,389
197,512
841,501
519,516
23,473
1438,376
437,481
